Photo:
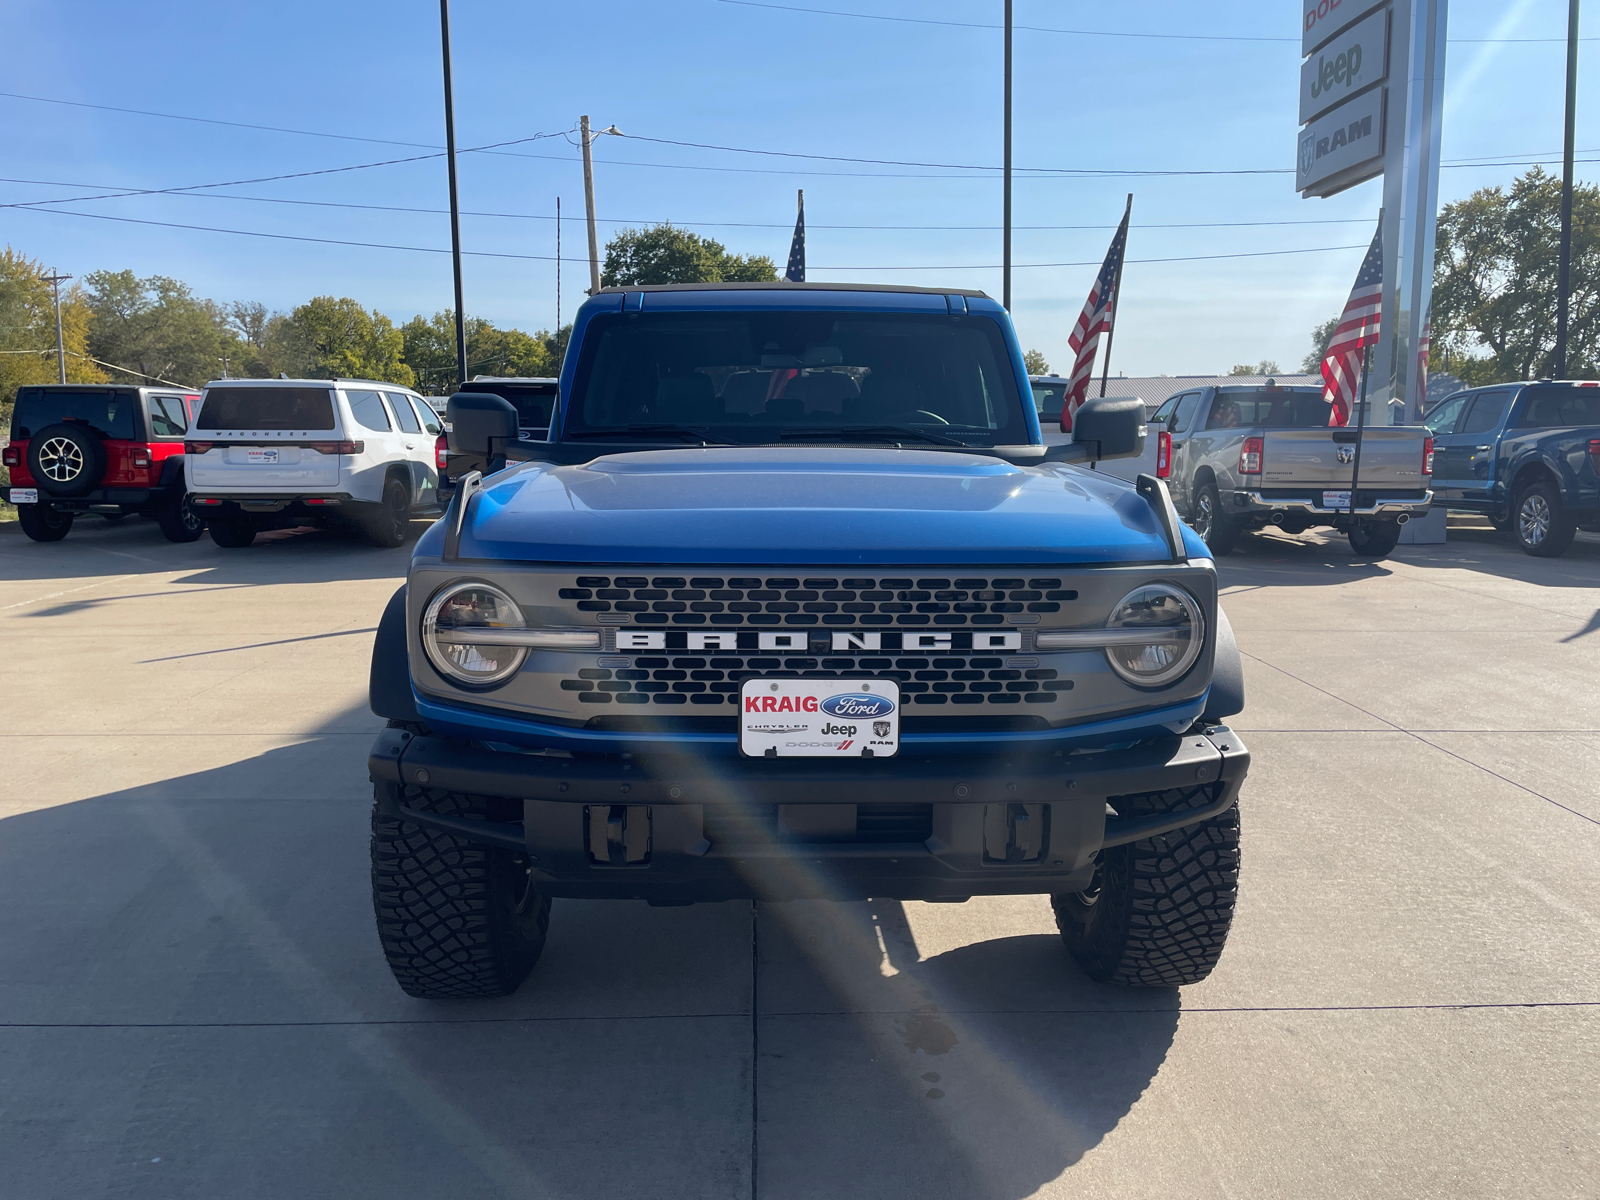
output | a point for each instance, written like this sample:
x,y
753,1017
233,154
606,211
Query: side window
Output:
x,y
430,419
167,418
367,408
1441,419
1188,404
1162,414
1486,412
404,413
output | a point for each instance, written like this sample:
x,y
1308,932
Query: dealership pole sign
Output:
x,y
1371,102
1342,95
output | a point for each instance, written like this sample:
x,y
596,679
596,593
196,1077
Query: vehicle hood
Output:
x,y
808,506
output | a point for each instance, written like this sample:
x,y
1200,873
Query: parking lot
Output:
x,y
193,1002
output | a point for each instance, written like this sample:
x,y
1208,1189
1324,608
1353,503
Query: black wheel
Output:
x,y
1374,539
66,459
1541,523
1219,533
232,532
457,919
1158,911
392,522
181,522
43,523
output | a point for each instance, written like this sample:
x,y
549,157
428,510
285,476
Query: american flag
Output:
x,y
1357,329
1094,320
797,248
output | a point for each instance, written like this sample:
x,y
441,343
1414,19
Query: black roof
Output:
x,y
783,286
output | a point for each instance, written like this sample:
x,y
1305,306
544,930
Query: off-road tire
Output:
x,y
232,532
389,525
66,459
1159,910
1217,531
1540,522
43,523
181,521
457,919
1374,539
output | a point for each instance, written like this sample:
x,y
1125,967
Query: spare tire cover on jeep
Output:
x,y
66,459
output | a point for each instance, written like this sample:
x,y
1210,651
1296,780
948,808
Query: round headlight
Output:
x,y
1165,628
454,615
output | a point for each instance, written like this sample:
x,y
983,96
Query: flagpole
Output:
x,y
1005,237
1116,295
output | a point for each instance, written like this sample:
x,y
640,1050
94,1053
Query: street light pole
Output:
x,y
455,207
1564,283
1005,237
588,200
55,280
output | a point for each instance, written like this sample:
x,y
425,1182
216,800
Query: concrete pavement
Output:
x,y
192,1001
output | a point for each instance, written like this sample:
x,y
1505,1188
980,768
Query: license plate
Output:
x,y
819,718
1335,499
261,456
24,495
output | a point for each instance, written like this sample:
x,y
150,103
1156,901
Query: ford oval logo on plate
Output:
x,y
858,704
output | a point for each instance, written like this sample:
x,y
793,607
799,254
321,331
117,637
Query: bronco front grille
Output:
x,y
799,600
715,680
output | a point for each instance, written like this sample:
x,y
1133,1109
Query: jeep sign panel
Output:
x,y
1347,137
1350,63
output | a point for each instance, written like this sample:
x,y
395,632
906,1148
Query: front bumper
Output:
x,y
1369,504
676,830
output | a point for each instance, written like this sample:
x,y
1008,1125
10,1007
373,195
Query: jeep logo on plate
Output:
x,y
857,704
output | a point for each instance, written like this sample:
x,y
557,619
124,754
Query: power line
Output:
x,y
291,237
1108,33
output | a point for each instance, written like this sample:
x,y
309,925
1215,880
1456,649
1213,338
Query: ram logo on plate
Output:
x,y
858,706
819,718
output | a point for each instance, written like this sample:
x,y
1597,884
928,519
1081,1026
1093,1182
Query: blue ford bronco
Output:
x,y
795,603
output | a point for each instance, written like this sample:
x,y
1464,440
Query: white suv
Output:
x,y
269,453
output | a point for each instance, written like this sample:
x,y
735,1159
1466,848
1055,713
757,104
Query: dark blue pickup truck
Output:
x,y
1526,455
795,602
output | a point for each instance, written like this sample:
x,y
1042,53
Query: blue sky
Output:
x,y
740,75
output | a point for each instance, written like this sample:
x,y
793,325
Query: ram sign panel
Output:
x,y
1351,136
1350,63
1321,19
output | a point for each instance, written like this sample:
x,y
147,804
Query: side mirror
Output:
x,y
481,424
1110,428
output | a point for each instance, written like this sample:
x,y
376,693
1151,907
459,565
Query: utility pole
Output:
x,y
1005,237
55,280
558,266
1564,283
455,207
588,200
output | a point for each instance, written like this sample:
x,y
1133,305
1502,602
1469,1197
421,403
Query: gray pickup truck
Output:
x,y
1241,458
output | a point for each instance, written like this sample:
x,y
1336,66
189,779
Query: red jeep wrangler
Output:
x,y
102,449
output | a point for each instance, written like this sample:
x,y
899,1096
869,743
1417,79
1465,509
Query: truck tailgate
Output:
x,y
1391,456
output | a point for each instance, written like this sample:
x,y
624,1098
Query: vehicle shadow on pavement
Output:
x,y
193,1002
986,1070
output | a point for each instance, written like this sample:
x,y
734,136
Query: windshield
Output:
x,y
108,413
773,376
267,408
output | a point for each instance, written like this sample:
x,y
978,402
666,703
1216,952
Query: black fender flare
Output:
x,y
1227,674
172,472
389,686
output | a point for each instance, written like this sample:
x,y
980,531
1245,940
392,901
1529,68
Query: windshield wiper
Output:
x,y
874,433
692,433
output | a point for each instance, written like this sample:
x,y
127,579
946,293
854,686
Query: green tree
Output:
x,y
1265,367
1033,362
154,329
1495,277
1321,336
430,350
337,338
666,254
